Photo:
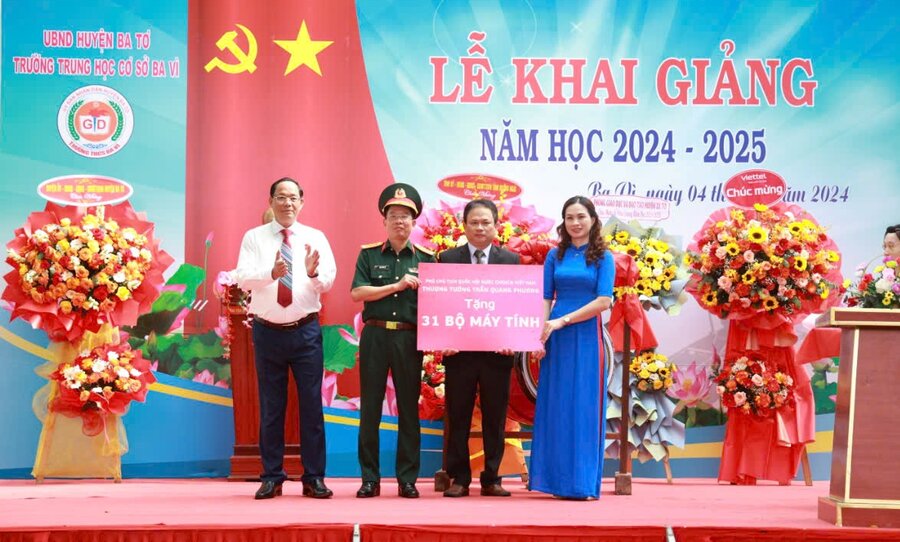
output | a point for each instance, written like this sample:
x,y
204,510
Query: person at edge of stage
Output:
x,y
285,303
386,281
485,374
567,445
891,243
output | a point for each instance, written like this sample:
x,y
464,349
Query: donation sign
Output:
x,y
480,307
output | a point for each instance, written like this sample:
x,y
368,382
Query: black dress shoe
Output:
x,y
268,490
494,490
316,489
457,490
368,489
408,490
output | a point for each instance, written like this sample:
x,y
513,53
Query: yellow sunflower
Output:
x,y
770,303
757,234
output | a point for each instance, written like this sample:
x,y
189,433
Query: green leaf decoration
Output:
x,y
339,354
207,345
191,276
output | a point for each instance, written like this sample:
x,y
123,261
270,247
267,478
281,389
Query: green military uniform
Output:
x,y
388,342
382,348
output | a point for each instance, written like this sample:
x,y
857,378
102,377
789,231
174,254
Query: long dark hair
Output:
x,y
596,244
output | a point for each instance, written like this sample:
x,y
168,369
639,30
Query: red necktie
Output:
x,y
285,288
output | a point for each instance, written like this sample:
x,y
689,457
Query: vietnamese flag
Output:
x,y
299,108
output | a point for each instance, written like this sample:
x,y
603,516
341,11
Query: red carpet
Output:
x,y
697,510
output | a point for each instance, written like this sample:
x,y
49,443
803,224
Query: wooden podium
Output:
x,y
246,463
865,473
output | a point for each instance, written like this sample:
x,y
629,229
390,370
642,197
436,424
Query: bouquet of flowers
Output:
x,y
519,229
748,385
99,382
877,290
431,398
659,260
776,261
652,371
76,268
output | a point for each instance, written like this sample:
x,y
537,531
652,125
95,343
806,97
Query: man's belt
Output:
x,y
290,325
390,325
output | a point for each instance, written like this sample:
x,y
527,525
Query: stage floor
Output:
x,y
75,504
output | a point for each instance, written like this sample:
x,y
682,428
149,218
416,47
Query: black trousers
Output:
x,y
297,350
380,350
468,373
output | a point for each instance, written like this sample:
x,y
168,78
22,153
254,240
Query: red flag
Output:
x,y
286,95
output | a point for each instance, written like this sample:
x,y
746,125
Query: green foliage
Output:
x,y
822,390
701,416
340,355
177,354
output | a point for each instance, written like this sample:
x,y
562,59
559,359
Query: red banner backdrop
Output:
x,y
250,127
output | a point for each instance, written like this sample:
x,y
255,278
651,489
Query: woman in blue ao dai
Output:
x,y
567,445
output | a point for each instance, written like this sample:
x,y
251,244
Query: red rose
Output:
x,y
100,293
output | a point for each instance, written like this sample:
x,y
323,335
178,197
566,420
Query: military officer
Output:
x,y
386,281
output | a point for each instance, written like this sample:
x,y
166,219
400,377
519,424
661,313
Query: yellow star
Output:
x,y
303,51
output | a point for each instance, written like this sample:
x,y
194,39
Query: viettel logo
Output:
x,y
95,121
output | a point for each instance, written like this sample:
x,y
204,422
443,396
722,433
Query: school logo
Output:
x,y
95,121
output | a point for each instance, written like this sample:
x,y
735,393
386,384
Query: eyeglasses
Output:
x,y
399,218
285,199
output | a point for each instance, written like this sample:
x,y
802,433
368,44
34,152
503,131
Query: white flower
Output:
x,y
882,285
133,284
73,384
757,380
107,248
100,365
41,236
119,277
439,390
65,275
76,244
74,262
122,372
112,356
135,253
134,372
97,390
72,373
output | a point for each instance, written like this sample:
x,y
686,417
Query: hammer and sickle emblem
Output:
x,y
400,193
245,60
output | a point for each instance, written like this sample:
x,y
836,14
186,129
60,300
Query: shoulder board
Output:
x,y
373,245
425,250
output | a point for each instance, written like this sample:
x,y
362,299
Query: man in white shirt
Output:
x,y
286,266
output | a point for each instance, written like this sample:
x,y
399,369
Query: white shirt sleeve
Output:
x,y
253,270
327,267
